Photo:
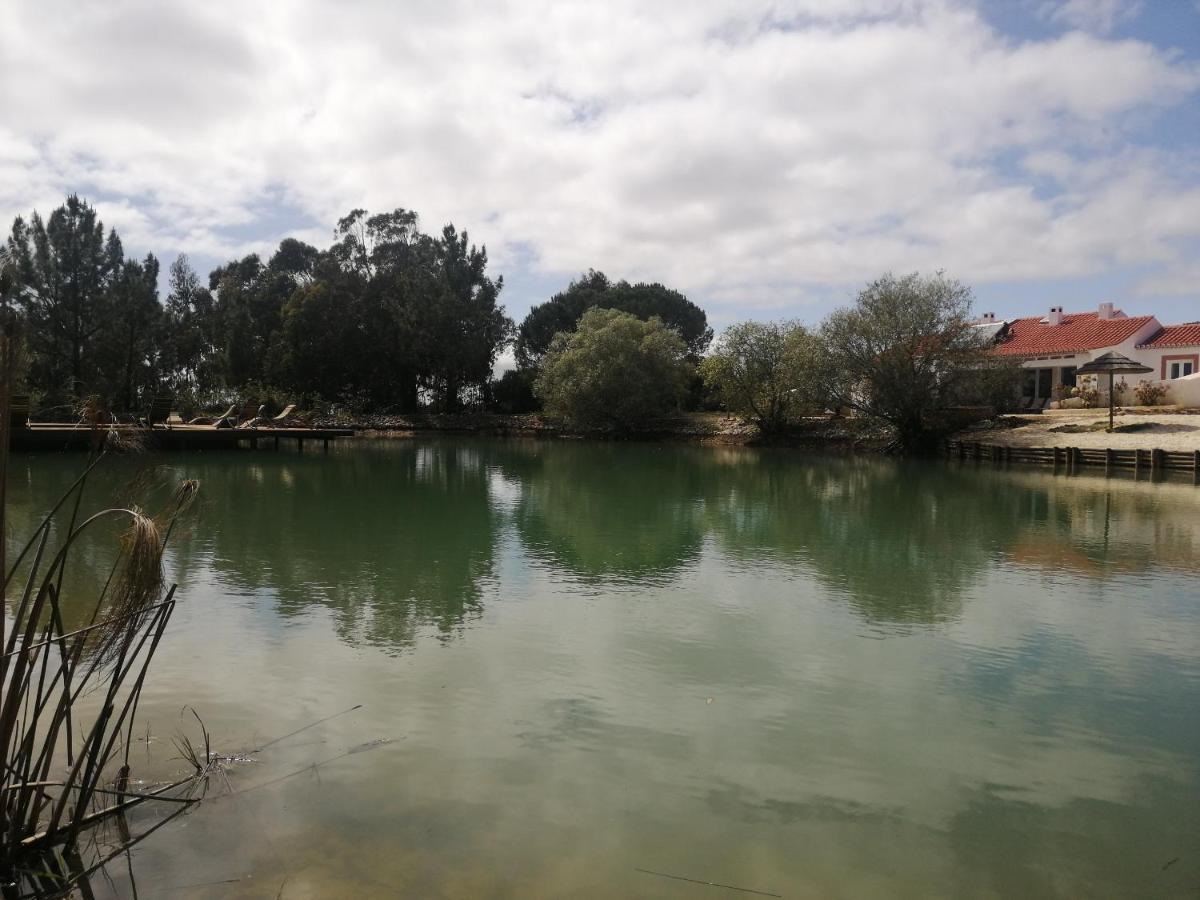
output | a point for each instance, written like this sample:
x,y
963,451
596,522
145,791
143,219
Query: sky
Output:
x,y
766,157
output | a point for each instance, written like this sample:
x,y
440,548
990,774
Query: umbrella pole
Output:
x,y
1110,402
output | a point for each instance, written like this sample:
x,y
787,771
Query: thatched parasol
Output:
x,y
1112,363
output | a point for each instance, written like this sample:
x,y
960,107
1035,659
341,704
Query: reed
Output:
x,y
50,674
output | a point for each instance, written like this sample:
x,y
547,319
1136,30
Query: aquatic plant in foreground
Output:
x,y
58,777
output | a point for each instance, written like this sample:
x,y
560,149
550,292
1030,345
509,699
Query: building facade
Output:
x,y
1051,347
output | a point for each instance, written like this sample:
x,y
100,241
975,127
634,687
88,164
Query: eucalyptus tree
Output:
x,y
190,342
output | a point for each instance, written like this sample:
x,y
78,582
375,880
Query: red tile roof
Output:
x,y
1186,335
1078,331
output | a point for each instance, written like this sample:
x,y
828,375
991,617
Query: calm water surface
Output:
x,y
807,677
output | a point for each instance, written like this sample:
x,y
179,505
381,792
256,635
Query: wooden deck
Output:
x,y
177,437
1139,462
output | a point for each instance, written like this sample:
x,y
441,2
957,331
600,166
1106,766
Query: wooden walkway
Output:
x,y
177,437
1150,462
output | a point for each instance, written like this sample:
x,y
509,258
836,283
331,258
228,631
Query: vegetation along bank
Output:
x,y
393,328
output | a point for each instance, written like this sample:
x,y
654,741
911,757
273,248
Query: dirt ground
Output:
x,y
1074,428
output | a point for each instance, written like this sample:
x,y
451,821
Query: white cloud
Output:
x,y
734,149
1099,16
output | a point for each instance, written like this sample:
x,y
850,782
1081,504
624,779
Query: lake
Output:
x,y
585,667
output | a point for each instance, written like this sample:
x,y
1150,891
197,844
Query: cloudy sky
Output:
x,y
765,157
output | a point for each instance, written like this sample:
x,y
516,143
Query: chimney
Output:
x,y
1106,310
1056,316
987,318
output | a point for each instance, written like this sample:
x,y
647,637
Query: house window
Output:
x,y
1068,376
1181,369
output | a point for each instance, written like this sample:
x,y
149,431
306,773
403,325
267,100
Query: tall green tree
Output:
x,y
613,371
190,343
463,322
390,315
594,289
70,265
129,353
768,372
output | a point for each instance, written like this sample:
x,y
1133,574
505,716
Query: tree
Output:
x,y
385,315
563,311
69,265
128,355
613,371
512,392
767,372
190,356
904,352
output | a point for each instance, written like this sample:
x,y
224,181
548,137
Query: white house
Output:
x,y
1173,352
1052,347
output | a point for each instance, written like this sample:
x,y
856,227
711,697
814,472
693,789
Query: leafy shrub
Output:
x,y
1149,393
613,371
767,372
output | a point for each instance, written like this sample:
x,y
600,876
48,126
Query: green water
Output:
x,y
802,676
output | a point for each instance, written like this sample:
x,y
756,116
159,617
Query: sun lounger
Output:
x,y
253,419
286,418
215,420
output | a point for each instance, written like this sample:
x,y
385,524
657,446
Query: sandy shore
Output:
x,y
1159,431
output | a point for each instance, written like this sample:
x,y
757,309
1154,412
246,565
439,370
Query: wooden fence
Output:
x,y
1069,459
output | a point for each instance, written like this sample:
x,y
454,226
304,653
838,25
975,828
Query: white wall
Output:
x,y
1183,391
1154,358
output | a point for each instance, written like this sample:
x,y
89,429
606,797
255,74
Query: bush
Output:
x,y
1149,393
614,371
770,373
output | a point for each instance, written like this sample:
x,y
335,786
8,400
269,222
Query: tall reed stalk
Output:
x,y
58,777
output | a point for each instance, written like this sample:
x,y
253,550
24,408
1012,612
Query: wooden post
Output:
x,y
253,443
1137,463
1196,467
1108,461
276,442
325,444
1156,461
300,444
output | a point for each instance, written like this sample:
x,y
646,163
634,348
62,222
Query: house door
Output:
x,y
1045,383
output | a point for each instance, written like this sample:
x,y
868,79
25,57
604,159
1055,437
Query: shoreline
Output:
x,y
715,429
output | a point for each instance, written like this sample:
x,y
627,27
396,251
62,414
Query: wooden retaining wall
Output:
x,y
1150,462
